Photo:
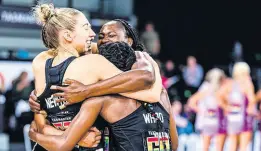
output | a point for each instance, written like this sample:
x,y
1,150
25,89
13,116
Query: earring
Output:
x,y
130,41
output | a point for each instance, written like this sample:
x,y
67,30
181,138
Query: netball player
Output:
x,y
213,120
237,99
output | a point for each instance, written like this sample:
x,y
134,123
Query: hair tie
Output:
x,y
52,13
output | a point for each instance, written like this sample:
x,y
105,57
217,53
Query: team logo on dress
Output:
x,y
62,125
51,102
235,108
211,113
158,144
157,141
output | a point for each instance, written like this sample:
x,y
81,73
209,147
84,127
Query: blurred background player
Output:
x,y
212,116
237,99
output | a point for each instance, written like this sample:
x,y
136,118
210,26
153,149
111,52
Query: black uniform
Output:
x,y
146,129
59,117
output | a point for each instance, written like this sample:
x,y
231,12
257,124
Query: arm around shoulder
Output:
x,y
115,81
152,94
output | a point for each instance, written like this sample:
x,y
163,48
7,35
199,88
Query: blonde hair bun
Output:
x,y
43,12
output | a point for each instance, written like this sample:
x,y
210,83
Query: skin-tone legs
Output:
x,y
245,139
233,142
240,141
220,141
206,142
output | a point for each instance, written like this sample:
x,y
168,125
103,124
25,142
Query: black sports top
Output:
x,y
146,129
57,115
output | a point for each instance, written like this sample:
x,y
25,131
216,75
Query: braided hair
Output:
x,y
118,53
133,34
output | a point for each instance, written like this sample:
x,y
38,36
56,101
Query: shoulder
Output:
x,y
249,86
99,98
156,33
91,58
185,69
199,67
204,86
40,59
43,56
249,82
96,100
94,62
229,82
226,87
108,97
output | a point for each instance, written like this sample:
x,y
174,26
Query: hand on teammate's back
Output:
x,y
32,131
142,59
34,105
72,93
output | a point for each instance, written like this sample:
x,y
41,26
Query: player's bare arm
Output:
x,y
128,81
172,125
73,134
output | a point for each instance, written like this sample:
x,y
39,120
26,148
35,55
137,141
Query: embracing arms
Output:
x,y
73,134
115,81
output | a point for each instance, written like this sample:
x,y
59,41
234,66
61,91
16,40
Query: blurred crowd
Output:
x,y
181,82
16,109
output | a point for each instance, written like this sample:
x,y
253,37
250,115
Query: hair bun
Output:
x,y
43,12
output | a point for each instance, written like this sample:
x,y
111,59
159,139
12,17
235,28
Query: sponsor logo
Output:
x,y
62,125
158,144
51,102
150,119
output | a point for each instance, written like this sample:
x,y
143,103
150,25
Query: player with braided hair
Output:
x,y
132,33
120,30
121,59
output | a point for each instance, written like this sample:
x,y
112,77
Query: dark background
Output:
x,y
207,30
